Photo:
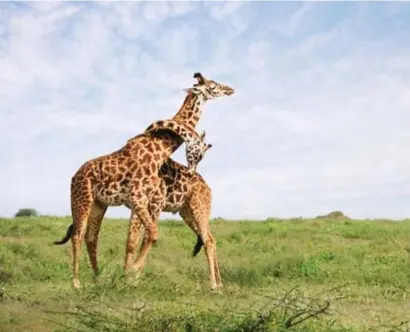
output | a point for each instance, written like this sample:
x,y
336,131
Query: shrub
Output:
x,y
26,213
334,215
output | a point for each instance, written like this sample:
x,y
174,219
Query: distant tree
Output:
x,y
26,213
334,215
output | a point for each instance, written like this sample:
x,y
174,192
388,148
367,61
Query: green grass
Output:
x,y
259,262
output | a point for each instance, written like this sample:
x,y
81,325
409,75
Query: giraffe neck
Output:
x,y
186,133
189,115
191,110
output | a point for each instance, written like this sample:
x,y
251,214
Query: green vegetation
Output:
x,y
276,273
26,213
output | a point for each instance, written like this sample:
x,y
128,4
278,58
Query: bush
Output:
x,y
334,215
26,213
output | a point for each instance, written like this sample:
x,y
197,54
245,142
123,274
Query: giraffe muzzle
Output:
x,y
229,91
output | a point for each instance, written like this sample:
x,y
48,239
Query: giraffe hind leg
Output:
x,y
91,237
81,206
198,246
198,220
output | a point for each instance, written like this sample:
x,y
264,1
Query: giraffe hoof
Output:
x,y
133,279
76,284
137,271
133,273
216,290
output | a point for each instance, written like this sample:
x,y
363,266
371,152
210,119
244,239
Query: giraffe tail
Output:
x,y
67,236
198,246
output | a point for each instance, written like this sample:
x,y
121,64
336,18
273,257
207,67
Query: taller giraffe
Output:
x,y
129,177
186,194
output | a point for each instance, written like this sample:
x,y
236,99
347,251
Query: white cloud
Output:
x,y
297,17
319,121
290,18
221,11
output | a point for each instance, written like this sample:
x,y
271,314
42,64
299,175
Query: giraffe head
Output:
x,y
195,151
209,89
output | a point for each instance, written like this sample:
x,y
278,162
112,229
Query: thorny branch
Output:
x,y
308,313
294,307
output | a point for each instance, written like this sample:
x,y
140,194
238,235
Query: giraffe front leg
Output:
x,y
155,207
145,247
139,262
140,216
150,237
132,241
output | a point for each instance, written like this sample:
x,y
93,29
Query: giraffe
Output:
x,y
191,197
130,177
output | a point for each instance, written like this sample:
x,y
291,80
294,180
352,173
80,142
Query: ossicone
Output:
x,y
200,78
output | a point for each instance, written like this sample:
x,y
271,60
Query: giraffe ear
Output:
x,y
193,90
202,135
201,79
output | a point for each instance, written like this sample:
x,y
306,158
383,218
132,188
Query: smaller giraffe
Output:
x,y
195,144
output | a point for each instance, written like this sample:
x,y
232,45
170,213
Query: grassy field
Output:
x,y
275,273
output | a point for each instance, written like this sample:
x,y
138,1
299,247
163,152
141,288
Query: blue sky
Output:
x,y
320,119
